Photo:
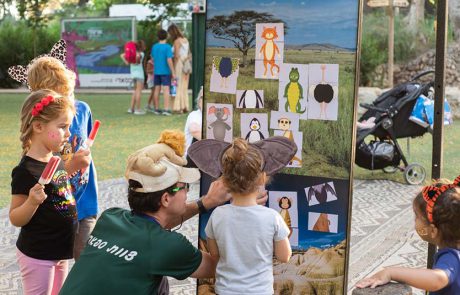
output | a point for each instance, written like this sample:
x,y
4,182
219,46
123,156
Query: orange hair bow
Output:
x,y
431,193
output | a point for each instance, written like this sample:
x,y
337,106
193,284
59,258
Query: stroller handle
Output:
x,y
418,76
371,107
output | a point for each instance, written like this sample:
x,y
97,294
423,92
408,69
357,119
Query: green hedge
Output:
x,y
17,46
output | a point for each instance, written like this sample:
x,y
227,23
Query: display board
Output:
x,y
290,68
94,46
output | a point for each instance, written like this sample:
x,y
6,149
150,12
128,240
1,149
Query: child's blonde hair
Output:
x,y
445,213
241,167
50,73
47,113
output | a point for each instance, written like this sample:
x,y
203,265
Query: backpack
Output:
x,y
130,52
187,67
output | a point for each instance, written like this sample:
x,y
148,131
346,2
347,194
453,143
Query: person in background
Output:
x,y
182,67
163,72
137,74
193,124
149,71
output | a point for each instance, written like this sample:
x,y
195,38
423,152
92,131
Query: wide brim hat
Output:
x,y
157,167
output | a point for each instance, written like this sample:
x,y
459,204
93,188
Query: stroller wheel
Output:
x,y
414,174
390,169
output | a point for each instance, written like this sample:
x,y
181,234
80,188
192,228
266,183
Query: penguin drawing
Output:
x,y
251,99
254,134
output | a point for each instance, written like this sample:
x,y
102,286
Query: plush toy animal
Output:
x,y
171,145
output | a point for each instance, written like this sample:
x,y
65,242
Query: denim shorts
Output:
x,y
164,80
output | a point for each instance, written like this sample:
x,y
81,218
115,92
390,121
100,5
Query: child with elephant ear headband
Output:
x,y
243,236
437,219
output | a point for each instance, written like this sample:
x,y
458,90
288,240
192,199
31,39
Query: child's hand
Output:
x,y
80,160
37,194
381,278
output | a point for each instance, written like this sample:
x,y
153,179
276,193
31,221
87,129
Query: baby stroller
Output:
x,y
387,120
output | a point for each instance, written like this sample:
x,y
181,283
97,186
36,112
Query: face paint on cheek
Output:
x,y
53,135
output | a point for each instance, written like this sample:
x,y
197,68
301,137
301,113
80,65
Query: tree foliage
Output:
x,y
170,8
32,12
16,48
239,28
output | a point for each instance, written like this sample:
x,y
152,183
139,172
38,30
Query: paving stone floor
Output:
x,y
382,232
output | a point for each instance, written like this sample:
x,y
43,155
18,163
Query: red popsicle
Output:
x,y
49,170
92,135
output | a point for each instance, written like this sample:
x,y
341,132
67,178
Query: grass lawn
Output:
x,y
120,134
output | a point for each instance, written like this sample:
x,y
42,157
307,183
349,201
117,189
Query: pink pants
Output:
x,y
41,277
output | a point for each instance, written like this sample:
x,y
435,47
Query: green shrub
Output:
x,y
407,44
17,46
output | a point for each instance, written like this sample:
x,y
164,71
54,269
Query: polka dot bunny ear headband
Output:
x,y
431,194
19,73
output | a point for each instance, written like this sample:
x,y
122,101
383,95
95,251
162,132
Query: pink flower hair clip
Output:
x,y
38,107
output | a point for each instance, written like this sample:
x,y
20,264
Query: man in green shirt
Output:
x,y
132,251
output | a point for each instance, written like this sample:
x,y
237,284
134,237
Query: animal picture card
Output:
x,y
269,53
323,222
254,126
323,103
297,137
320,193
285,203
268,69
219,121
224,74
284,121
269,31
250,99
293,89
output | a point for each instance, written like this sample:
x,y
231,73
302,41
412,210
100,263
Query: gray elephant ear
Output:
x,y
277,151
206,154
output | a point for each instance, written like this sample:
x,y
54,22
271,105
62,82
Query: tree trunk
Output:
x,y
245,58
454,17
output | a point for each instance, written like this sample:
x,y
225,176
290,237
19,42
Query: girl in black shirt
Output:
x,y
46,214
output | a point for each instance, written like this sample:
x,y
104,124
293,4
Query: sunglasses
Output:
x,y
179,188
